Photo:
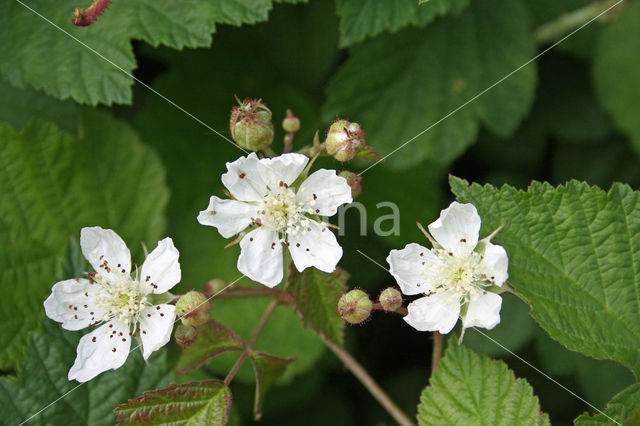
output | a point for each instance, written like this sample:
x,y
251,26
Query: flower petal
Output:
x,y
156,324
161,269
228,216
438,312
483,311
314,245
72,302
323,192
457,229
495,264
244,179
261,257
105,251
284,168
409,267
105,348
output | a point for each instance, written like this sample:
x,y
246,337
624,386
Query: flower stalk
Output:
x,y
436,352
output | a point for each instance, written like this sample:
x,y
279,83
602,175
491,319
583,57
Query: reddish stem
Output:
x,y
85,17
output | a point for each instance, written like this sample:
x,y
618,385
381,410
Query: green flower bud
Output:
x,y
344,140
250,125
185,335
354,180
355,306
193,308
390,299
291,123
214,286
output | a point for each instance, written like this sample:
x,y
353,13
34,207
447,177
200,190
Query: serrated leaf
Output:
x,y
623,408
427,74
51,185
468,388
316,295
48,59
268,369
213,339
574,252
42,379
362,19
616,69
196,403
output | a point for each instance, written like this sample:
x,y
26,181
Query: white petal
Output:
x,y
72,302
96,351
244,179
409,267
495,264
484,311
457,229
228,216
156,323
284,168
438,312
161,269
261,257
323,192
105,251
314,245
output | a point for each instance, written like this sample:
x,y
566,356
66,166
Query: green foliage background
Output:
x,y
82,145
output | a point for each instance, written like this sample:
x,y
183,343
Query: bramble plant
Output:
x,y
266,294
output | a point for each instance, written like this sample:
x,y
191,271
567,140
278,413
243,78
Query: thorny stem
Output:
x,y
553,30
85,17
436,351
368,382
401,310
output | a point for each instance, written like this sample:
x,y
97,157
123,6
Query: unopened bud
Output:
x,y
390,299
250,125
344,140
291,123
214,287
355,306
193,308
354,180
185,335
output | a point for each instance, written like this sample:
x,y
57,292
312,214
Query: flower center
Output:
x,y
459,275
280,212
121,298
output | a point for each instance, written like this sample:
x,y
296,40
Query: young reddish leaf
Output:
x,y
316,295
202,403
213,339
369,154
268,369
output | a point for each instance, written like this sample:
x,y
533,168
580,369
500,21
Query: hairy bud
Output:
x,y
390,299
291,123
344,140
250,125
185,335
354,180
355,306
214,286
193,308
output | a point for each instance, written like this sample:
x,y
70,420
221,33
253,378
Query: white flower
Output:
x,y
111,295
264,197
455,275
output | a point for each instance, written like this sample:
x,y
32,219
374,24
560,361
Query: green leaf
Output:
x,y
213,339
42,379
46,58
468,388
616,69
51,185
574,251
316,295
623,408
196,403
362,19
268,369
427,74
